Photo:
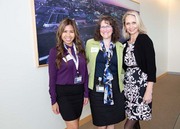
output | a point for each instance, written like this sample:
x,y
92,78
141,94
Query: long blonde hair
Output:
x,y
141,27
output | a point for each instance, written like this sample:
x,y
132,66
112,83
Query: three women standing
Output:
x,y
69,79
140,70
104,55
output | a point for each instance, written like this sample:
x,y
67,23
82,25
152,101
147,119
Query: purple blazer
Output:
x,y
66,73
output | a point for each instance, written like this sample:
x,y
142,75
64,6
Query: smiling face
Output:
x,y
68,35
106,30
131,25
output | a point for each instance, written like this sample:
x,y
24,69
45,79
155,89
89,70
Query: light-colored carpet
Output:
x,y
166,106
177,124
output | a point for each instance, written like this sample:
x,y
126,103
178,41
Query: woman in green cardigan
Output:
x,y
104,55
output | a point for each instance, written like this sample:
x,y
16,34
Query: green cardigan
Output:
x,y
92,49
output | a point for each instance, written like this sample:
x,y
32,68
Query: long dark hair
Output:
x,y
60,47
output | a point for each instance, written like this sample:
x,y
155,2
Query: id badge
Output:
x,y
78,79
100,88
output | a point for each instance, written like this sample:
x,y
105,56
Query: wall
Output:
x,y
154,13
173,35
24,99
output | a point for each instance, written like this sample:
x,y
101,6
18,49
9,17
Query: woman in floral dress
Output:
x,y
140,70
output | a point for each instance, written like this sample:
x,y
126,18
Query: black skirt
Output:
x,y
70,100
103,115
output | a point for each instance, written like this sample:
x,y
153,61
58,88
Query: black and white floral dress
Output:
x,y
134,88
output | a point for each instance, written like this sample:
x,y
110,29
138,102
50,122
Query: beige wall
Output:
x,y
174,36
155,16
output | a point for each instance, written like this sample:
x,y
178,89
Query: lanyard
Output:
x,y
76,61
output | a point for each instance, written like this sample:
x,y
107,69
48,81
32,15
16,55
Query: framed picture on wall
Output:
x,y
47,15
136,1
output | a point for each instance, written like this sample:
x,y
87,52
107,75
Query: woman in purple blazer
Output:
x,y
68,77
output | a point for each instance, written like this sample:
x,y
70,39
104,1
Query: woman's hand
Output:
x,y
55,108
148,94
85,101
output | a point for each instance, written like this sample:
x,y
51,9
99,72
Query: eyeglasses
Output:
x,y
105,27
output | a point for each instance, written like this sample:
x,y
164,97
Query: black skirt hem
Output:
x,y
70,100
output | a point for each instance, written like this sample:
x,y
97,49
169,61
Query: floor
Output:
x,y
166,106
